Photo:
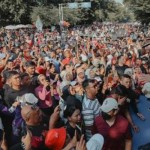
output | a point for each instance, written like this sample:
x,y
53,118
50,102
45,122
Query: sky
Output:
x,y
119,1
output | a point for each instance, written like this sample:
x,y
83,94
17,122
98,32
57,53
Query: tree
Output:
x,y
14,11
141,9
50,15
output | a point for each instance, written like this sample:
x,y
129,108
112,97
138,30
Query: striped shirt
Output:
x,y
90,110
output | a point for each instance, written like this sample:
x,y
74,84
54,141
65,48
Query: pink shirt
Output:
x,y
44,96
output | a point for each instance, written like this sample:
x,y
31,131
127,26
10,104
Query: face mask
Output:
x,y
106,116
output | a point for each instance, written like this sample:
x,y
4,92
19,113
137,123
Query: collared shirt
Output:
x,y
90,110
115,135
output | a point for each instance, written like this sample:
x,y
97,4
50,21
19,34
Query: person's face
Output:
x,y
68,67
47,64
138,62
42,79
69,77
31,70
34,115
45,48
72,90
52,69
112,113
15,80
52,54
92,74
92,89
76,117
81,75
126,82
137,71
10,65
67,54
122,60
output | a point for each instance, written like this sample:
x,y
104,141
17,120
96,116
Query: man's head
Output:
x,y
25,79
30,67
121,59
67,53
90,87
14,78
109,108
32,115
126,81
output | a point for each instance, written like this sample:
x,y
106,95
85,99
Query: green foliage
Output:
x,y
26,11
141,9
50,15
13,11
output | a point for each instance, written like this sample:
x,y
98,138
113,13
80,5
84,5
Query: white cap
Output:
x,y
84,57
2,56
28,98
146,89
47,58
129,72
73,83
98,79
109,104
95,143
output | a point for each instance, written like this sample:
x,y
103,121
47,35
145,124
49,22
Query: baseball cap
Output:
x,y
109,104
95,143
73,83
2,56
55,138
129,71
146,89
47,58
28,98
98,79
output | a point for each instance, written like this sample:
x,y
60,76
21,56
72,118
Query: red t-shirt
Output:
x,y
115,135
66,61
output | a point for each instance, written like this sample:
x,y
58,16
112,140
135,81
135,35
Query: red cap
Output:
x,y
56,138
40,70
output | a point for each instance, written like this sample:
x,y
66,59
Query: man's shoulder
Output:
x,y
122,120
89,103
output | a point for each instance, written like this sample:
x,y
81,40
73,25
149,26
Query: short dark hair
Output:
x,y
12,73
30,64
72,106
24,74
119,90
86,83
125,76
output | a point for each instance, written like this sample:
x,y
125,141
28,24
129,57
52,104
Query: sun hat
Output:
x,y
109,104
55,138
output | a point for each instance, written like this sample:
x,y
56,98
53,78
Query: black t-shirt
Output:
x,y
71,131
121,69
10,94
38,136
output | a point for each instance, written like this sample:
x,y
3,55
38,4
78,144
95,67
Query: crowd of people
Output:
x,y
72,90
